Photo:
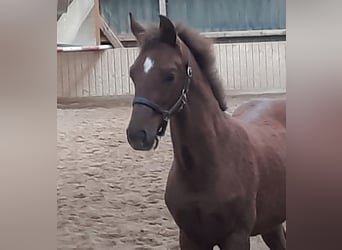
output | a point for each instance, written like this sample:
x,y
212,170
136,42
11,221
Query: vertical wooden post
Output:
x,y
162,7
97,21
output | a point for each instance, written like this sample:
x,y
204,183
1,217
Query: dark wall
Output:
x,y
204,15
229,15
115,12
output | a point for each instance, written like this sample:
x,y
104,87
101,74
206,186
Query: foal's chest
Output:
x,y
207,207
204,215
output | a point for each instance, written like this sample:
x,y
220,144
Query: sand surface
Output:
x,y
110,196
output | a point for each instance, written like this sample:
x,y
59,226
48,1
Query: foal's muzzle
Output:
x,y
140,139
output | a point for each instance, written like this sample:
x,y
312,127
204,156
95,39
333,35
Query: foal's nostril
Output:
x,y
142,135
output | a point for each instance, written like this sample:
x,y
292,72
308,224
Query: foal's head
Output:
x,y
161,76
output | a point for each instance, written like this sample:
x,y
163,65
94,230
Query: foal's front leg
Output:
x,y
237,241
188,244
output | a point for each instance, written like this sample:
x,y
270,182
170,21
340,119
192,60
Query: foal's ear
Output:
x,y
167,31
137,29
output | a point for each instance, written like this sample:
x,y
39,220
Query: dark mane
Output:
x,y
202,50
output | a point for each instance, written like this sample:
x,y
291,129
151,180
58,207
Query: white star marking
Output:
x,y
148,64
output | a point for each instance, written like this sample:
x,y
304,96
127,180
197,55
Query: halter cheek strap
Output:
x,y
166,113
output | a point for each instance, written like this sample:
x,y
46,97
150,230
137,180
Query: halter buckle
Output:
x,y
184,93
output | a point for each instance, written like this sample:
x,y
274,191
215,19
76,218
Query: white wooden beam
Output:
x,y
245,33
77,25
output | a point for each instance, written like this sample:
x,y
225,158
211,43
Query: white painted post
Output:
x,y
162,7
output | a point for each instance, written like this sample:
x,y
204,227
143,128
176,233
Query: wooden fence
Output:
x,y
243,67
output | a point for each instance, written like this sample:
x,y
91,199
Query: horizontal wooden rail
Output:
x,y
224,34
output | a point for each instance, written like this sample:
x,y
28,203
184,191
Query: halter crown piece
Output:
x,y
166,113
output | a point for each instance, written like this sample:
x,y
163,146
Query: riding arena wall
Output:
x,y
246,67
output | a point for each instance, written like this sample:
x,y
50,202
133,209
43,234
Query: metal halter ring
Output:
x,y
189,71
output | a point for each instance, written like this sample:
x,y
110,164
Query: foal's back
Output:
x,y
258,111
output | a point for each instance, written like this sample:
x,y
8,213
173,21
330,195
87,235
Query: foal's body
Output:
x,y
236,190
227,180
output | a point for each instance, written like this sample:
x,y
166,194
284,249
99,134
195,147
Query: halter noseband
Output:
x,y
166,113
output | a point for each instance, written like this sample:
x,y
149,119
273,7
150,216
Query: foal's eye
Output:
x,y
169,77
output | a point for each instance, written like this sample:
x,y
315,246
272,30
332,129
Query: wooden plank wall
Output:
x,y
243,67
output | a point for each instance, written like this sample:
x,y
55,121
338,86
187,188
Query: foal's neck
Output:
x,y
197,129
